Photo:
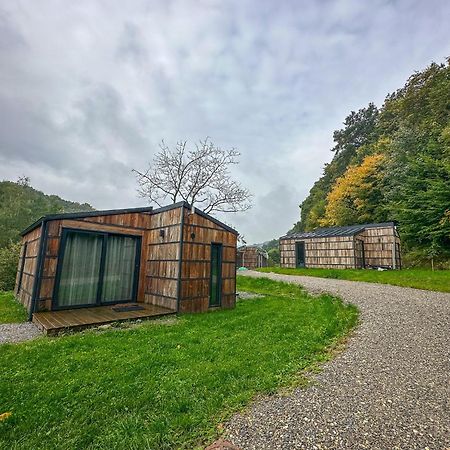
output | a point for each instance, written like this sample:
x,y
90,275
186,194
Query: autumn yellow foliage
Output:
x,y
351,197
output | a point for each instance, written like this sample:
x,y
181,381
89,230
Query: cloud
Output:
x,y
89,88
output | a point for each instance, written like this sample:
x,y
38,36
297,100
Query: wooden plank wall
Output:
x,y
163,254
198,234
251,258
132,224
24,292
322,252
378,246
159,281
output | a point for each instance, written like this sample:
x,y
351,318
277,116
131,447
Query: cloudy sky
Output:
x,y
89,88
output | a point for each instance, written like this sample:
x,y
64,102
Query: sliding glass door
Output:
x,y
118,277
96,268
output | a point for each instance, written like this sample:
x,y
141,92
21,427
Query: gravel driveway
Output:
x,y
390,388
18,332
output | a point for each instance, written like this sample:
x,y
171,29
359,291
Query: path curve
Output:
x,y
390,388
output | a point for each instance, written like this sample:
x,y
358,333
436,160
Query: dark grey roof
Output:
x,y
107,212
80,215
349,230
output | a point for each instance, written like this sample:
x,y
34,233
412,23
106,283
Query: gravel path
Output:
x,y
390,388
18,332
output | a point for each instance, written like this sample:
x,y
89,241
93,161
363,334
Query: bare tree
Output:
x,y
200,176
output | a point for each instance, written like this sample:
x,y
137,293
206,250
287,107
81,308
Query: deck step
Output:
x,y
54,322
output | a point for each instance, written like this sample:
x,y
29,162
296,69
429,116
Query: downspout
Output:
x,y
40,264
180,259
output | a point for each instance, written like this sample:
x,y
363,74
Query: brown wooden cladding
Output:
x,y
329,252
198,235
251,258
379,247
345,252
27,267
174,272
163,253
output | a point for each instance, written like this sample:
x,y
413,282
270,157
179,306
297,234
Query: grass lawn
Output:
x,y
439,280
10,310
164,385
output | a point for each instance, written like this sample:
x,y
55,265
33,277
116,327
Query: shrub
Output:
x,y
9,259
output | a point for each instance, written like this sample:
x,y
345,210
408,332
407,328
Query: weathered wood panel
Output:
x,y
380,246
198,235
162,259
27,267
251,257
329,252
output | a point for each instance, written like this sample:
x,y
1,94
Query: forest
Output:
x,y
393,163
20,206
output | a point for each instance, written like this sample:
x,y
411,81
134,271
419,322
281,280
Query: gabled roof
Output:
x,y
349,230
108,212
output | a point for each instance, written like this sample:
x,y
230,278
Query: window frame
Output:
x,y
219,246
98,301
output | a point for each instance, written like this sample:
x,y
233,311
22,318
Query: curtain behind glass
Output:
x,y
118,278
80,270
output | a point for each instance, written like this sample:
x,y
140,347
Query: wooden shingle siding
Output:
x,y
251,257
198,235
28,261
345,252
162,259
175,259
378,246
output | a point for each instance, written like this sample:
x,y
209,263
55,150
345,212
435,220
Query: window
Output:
x,y
96,268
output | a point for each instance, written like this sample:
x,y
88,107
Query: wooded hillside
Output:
x,y
21,205
392,163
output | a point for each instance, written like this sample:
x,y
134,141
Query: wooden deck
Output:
x,y
53,322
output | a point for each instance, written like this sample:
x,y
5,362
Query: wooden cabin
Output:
x,y
375,245
251,257
175,258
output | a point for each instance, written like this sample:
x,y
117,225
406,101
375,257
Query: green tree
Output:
x,y
9,259
21,205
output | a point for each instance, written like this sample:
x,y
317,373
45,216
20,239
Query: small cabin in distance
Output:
x,y
375,245
251,257
170,259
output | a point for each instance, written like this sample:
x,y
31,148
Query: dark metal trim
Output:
x,y
160,295
109,212
187,243
98,301
349,233
180,257
296,255
219,277
78,215
162,278
197,211
115,225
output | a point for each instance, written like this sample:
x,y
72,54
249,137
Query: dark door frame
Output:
x,y
363,254
297,244
219,245
104,235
